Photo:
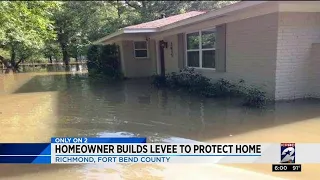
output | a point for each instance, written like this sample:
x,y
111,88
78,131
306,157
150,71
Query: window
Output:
x,y
201,49
140,49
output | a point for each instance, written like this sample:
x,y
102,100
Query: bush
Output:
x,y
189,80
159,81
254,97
224,88
103,61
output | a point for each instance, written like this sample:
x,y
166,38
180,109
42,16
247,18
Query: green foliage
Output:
x,y
206,5
152,10
52,50
26,22
5,53
159,81
67,28
254,96
24,28
78,23
223,88
103,61
189,80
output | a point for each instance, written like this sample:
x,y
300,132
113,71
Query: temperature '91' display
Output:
x,y
286,167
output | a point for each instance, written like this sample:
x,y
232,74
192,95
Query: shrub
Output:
x,y
189,80
103,61
159,81
224,88
254,97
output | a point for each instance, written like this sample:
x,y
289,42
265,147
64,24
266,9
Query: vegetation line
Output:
x,y
193,82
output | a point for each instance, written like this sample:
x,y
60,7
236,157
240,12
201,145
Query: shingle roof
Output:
x,y
166,21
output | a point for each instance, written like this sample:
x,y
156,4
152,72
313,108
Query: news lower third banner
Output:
x,y
137,150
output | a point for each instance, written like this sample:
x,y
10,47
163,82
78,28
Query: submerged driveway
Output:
x,y
38,106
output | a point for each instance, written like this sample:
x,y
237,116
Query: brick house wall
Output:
x,y
296,75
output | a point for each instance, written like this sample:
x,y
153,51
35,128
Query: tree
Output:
x,y
206,5
152,10
78,23
52,51
24,26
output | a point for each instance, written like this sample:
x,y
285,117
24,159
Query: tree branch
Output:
x,y
4,61
131,5
166,6
17,64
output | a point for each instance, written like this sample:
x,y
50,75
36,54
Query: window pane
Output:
x,y
208,39
140,45
193,58
193,40
208,59
141,53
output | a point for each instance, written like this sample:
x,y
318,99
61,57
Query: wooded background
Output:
x,y
57,31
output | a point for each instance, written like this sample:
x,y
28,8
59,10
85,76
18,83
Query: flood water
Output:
x,y
40,103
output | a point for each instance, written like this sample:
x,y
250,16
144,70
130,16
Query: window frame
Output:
x,y
134,50
200,49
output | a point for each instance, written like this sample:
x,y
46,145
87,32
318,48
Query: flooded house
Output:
x,y
274,45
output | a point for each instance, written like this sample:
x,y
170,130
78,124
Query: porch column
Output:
x,y
123,67
157,56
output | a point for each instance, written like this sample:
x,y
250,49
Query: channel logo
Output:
x,y
287,152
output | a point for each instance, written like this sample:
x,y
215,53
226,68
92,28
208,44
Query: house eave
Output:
x,y
140,30
99,41
125,31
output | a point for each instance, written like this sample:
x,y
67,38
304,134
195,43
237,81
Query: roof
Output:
x,y
181,20
166,21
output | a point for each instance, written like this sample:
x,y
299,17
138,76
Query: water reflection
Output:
x,y
51,68
39,105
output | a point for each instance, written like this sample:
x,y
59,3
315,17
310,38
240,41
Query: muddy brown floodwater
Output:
x,y
35,106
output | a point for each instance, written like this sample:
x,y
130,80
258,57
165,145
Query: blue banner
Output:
x,y
25,149
26,159
98,140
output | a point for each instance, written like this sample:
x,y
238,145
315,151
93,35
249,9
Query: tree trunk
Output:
x,y
13,57
76,55
16,66
65,54
50,59
118,9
